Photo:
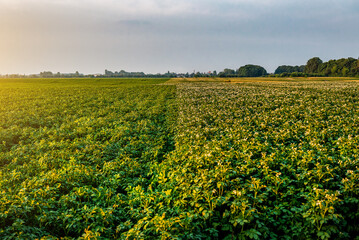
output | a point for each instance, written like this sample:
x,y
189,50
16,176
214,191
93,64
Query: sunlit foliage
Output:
x,y
133,159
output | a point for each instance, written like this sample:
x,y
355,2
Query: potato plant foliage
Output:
x,y
140,159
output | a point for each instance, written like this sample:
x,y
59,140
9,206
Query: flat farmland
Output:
x,y
179,158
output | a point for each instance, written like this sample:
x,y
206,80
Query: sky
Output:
x,y
156,36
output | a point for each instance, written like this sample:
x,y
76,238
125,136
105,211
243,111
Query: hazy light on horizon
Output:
x,y
156,36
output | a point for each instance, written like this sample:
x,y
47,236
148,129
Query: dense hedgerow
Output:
x,y
117,159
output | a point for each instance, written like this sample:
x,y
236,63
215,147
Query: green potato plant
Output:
x,y
146,159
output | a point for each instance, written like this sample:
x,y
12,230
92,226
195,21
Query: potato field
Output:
x,y
168,159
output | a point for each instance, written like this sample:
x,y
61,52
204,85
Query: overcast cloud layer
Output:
x,y
167,35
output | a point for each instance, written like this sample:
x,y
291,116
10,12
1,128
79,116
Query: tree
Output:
x,y
289,69
313,65
108,73
227,73
345,71
198,74
251,71
334,69
46,74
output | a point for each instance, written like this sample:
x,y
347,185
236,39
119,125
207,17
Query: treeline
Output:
x,y
244,71
289,69
46,74
124,74
344,67
315,67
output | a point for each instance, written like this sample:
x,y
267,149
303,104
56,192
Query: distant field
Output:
x,y
236,158
262,79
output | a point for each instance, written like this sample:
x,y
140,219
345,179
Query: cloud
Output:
x,y
161,35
